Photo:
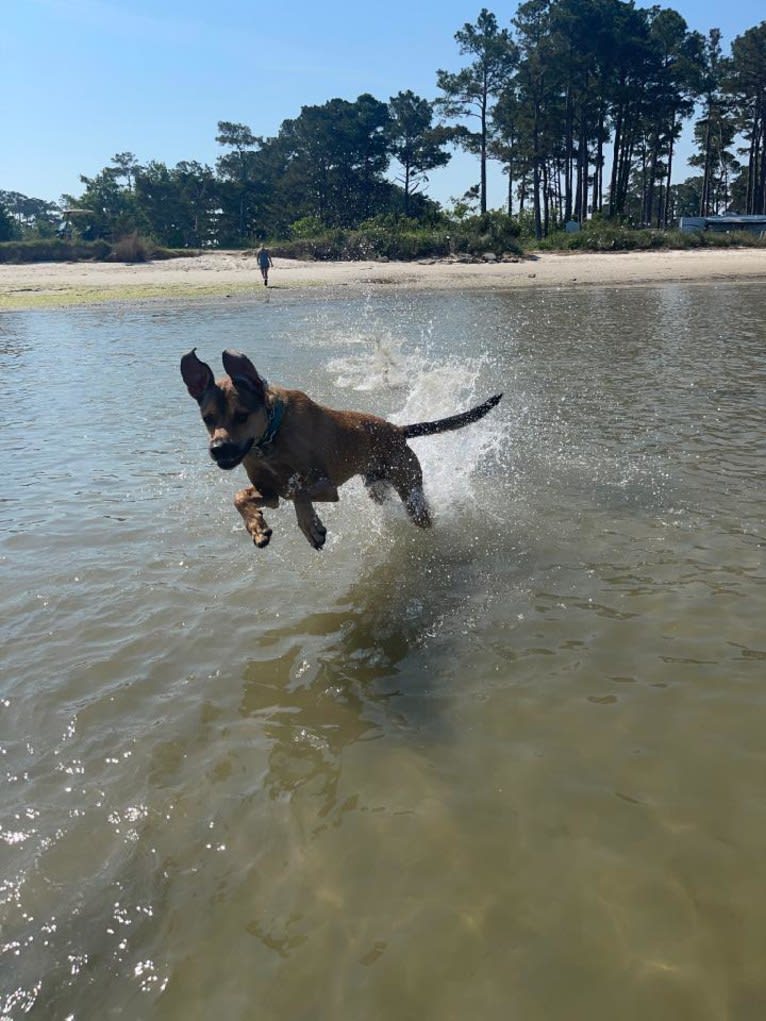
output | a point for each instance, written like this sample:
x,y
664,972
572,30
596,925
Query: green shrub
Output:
x,y
600,235
130,249
53,250
525,221
488,232
733,239
396,237
306,227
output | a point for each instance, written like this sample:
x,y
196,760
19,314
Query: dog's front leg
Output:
x,y
249,502
308,519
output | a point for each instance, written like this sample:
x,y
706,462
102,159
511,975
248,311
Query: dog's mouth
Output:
x,y
229,455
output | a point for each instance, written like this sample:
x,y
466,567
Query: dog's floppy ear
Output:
x,y
242,371
197,376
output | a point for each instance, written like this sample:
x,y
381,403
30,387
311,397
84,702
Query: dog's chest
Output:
x,y
268,468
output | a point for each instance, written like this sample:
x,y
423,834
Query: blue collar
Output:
x,y
276,414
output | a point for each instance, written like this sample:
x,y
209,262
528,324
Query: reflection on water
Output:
x,y
508,768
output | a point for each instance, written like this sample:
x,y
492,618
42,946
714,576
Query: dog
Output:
x,y
295,449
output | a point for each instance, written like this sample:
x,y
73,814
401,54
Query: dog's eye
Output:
x,y
240,417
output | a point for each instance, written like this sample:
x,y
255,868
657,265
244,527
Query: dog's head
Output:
x,y
233,408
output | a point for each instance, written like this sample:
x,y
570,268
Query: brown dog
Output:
x,y
298,450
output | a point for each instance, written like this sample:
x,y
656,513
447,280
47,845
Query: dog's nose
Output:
x,y
222,450
228,455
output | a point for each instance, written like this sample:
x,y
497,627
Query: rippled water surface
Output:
x,y
512,768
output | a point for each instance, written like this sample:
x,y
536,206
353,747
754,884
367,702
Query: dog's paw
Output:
x,y
261,539
310,523
317,533
417,508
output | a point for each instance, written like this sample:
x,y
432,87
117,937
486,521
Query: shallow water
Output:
x,y
510,768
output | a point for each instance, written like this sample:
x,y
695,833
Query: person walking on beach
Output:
x,y
264,264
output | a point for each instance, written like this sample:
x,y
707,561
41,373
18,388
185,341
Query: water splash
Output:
x,y
382,365
421,385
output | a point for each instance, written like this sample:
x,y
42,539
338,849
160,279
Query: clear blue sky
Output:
x,y
81,80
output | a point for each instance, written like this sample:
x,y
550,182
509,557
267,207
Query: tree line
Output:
x,y
582,103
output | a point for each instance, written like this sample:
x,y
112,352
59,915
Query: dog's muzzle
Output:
x,y
228,455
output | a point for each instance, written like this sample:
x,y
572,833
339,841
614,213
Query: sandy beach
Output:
x,y
231,274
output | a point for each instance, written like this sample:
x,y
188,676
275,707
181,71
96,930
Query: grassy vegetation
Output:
x,y
94,295
132,248
399,238
385,237
391,238
606,236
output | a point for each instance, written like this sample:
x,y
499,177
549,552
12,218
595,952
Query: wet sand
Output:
x,y
232,274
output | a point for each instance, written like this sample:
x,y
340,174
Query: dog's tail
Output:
x,y
444,425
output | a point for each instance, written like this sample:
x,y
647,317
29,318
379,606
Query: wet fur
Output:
x,y
316,449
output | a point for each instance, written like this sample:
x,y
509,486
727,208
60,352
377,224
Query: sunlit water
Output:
x,y
512,768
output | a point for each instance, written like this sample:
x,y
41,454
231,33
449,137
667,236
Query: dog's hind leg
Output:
x,y
308,520
377,486
249,502
406,476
